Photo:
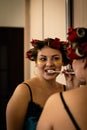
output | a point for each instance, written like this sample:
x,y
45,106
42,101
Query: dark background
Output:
x,y
11,66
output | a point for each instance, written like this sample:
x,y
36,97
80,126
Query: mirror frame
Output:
x,y
69,13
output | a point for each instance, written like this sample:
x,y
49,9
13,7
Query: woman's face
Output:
x,y
48,59
80,68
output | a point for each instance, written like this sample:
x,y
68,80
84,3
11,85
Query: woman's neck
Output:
x,y
51,83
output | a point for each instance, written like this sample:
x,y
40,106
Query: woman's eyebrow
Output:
x,y
56,55
51,55
43,55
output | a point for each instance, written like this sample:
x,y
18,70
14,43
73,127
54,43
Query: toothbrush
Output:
x,y
66,72
69,72
53,71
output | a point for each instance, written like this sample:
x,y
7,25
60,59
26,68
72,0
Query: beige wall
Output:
x,y
47,19
12,13
80,13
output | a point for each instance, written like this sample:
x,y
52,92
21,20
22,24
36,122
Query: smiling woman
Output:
x,y
30,96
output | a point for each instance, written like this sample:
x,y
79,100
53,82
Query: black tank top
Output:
x,y
33,113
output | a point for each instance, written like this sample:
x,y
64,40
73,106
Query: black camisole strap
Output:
x,y
30,91
69,113
64,88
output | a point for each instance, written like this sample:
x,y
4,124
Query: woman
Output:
x,y
68,110
26,104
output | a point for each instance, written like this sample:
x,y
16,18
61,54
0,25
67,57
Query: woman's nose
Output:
x,y
49,63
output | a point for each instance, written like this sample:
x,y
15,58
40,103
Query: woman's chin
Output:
x,y
50,76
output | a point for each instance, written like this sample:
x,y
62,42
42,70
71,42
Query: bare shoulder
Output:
x,y
17,107
53,102
70,95
54,113
23,88
75,93
22,91
20,96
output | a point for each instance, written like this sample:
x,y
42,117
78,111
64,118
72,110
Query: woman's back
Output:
x,y
56,111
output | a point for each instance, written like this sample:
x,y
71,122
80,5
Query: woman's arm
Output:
x,y
17,108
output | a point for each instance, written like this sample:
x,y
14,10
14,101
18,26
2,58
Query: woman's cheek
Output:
x,y
58,62
40,62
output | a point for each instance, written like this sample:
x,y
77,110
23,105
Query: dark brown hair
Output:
x,y
52,43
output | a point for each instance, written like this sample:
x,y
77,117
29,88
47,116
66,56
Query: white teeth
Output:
x,y
51,71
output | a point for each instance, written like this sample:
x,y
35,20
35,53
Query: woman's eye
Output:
x,y
42,59
56,58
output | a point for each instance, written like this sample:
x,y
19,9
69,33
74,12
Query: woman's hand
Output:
x,y
71,79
